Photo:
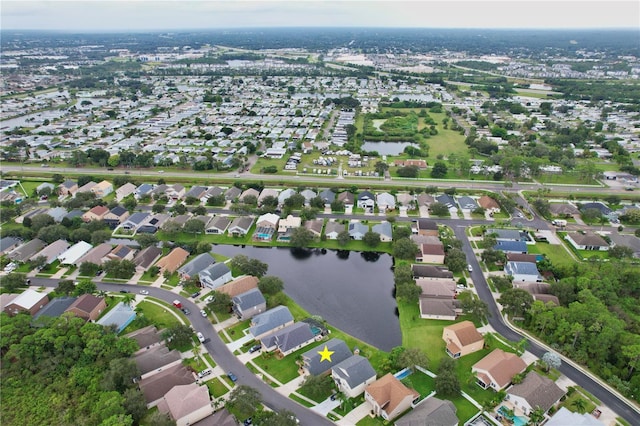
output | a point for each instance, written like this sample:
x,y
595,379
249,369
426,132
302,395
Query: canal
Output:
x,y
352,291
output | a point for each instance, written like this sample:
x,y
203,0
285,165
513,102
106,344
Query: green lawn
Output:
x,y
555,253
421,333
321,393
284,370
196,364
446,141
420,382
570,402
209,359
236,331
160,316
216,387
465,409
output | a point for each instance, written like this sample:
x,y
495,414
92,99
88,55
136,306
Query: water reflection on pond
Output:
x,y
353,291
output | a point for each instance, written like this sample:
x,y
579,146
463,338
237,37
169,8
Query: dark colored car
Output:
x,y
186,311
196,294
255,348
124,291
232,376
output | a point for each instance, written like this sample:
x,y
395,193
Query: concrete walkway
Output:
x,y
326,406
355,415
237,344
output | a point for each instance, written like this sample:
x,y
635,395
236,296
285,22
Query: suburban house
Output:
x,y
424,199
327,196
357,230
267,192
346,198
535,391
431,253
315,226
332,229
523,271
519,257
288,339
467,203
266,226
269,321
587,241
156,359
425,227
52,251
405,199
186,404
565,210
512,247
431,412
239,285
68,188
286,226
87,187
440,308
192,268
431,272
74,253
564,417
496,370
249,304
25,251
102,189
153,224
55,308
240,226
143,190
156,386
215,275
462,339
388,397
366,200
147,338
509,235
489,204
29,301
57,213
249,192
96,213
88,307
308,195
116,217
315,365
135,221
448,201
96,255
385,201
120,317
125,190
9,243
232,193
196,191
214,191
385,231
352,375
217,225
175,191
285,195
147,257
121,252
173,260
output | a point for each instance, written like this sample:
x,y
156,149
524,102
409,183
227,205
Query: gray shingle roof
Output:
x,y
269,320
431,412
197,264
312,357
355,370
538,391
249,299
289,337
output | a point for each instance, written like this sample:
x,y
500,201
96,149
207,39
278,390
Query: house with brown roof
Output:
x,y
587,241
120,252
249,192
116,216
96,213
146,338
96,255
462,339
535,391
424,200
102,189
489,204
332,229
88,307
125,190
315,226
155,387
425,227
346,198
563,209
239,285
186,404
388,397
173,260
146,257
431,253
68,187
440,309
497,369
87,187
431,272
421,164
156,359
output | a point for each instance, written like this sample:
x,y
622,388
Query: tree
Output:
x,y
343,238
551,360
413,357
401,232
85,287
439,170
99,237
146,240
270,284
404,248
52,233
122,269
337,206
221,302
130,203
88,269
39,221
490,256
178,208
439,209
455,260
371,239
408,171
178,336
193,226
80,234
580,405
536,416
473,306
160,419
158,208
632,353
38,263
65,287
172,228
280,418
13,281
515,301
245,400
120,374
301,237
381,167
199,211
317,386
446,382
620,252
248,266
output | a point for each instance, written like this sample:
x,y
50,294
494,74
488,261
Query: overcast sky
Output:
x,y
129,15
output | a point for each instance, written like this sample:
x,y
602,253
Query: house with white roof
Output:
x,y
74,253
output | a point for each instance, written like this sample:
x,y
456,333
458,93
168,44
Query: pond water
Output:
x,y
353,291
387,148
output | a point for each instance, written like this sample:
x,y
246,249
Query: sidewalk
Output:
x,y
355,415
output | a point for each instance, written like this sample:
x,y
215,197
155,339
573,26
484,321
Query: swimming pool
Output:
x,y
517,420
402,374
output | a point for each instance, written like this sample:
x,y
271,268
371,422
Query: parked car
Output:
x,y
210,299
203,313
185,311
255,348
204,373
124,291
200,337
232,376
144,291
196,294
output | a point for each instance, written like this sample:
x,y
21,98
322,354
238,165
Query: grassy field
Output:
x,y
160,316
556,254
216,387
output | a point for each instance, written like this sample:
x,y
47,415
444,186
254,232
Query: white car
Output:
x,y
144,291
200,337
209,299
203,313
469,268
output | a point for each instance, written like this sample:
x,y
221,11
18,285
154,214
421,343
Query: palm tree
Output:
x,y
536,416
128,298
580,405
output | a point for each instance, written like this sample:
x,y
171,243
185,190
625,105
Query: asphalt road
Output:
x,y
218,350
609,399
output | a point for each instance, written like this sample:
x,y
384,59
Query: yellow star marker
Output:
x,y
325,354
